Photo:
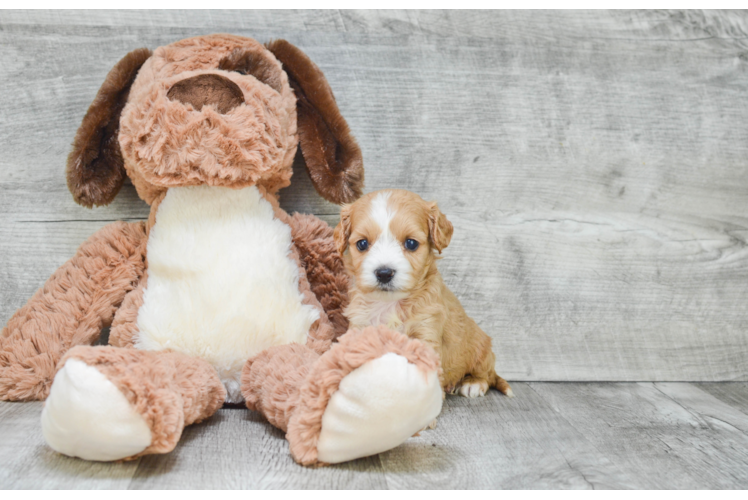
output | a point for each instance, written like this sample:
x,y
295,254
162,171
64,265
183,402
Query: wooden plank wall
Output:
x,y
594,164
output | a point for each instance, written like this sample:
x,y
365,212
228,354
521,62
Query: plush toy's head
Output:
x,y
217,110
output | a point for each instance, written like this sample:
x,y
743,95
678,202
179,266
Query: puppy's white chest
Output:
x,y
375,312
221,283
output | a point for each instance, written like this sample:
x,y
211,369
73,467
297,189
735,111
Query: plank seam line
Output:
x,y
698,416
577,470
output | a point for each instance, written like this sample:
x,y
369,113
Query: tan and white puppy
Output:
x,y
389,242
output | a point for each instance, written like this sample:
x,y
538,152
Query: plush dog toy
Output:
x,y
220,296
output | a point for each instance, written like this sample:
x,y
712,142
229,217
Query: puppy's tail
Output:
x,y
500,384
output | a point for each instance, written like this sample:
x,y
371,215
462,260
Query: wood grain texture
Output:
x,y
497,442
593,163
734,394
551,436
668,439
239,449
26,462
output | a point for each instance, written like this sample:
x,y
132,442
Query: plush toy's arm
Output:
x,y
324,267
72,307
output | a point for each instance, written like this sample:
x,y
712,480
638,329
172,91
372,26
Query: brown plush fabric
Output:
x,y
272,379
207,90
251,61
72,307
95,169
124,326
352,350
321,333
291,385
168,143
323,266
169,389
333,158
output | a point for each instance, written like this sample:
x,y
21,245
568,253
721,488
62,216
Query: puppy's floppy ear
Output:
x,y
95,169
343,230
333,158
440,229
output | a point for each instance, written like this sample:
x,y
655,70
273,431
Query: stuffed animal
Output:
x,y
220,296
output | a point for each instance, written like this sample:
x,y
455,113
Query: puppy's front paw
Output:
x,y
472,388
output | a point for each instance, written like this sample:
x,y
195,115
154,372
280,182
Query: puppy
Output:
x,y
388,240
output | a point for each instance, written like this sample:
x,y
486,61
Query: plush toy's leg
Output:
x,y
370,392
109,403
72,307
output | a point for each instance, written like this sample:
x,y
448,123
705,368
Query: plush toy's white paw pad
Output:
x,y
86,416
473,389
377,406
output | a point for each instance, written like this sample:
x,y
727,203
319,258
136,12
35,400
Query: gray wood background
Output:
x,y
594,164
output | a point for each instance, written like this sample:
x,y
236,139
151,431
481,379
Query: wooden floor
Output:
x,y
552,435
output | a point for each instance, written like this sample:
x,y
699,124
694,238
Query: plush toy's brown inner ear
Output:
x,y
95,169
333,159
247,62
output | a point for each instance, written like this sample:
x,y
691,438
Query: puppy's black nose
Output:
x,y
384,274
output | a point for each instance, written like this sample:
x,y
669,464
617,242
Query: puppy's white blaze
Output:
x,y
386,250
381,213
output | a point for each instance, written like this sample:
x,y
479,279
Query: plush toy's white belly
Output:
x,y
221,283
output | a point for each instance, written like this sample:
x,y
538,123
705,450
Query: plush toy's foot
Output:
x,y
367,394
376,407
86,416
110,404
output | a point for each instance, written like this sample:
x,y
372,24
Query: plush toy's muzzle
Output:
x,y
197,114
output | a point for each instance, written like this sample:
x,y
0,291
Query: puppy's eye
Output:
x,y
362,245
411,244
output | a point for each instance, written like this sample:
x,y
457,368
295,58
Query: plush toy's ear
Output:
x,y
343,230
95,169
333,159
440,229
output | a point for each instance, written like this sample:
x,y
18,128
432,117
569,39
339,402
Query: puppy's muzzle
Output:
x,y
210,89
384,274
